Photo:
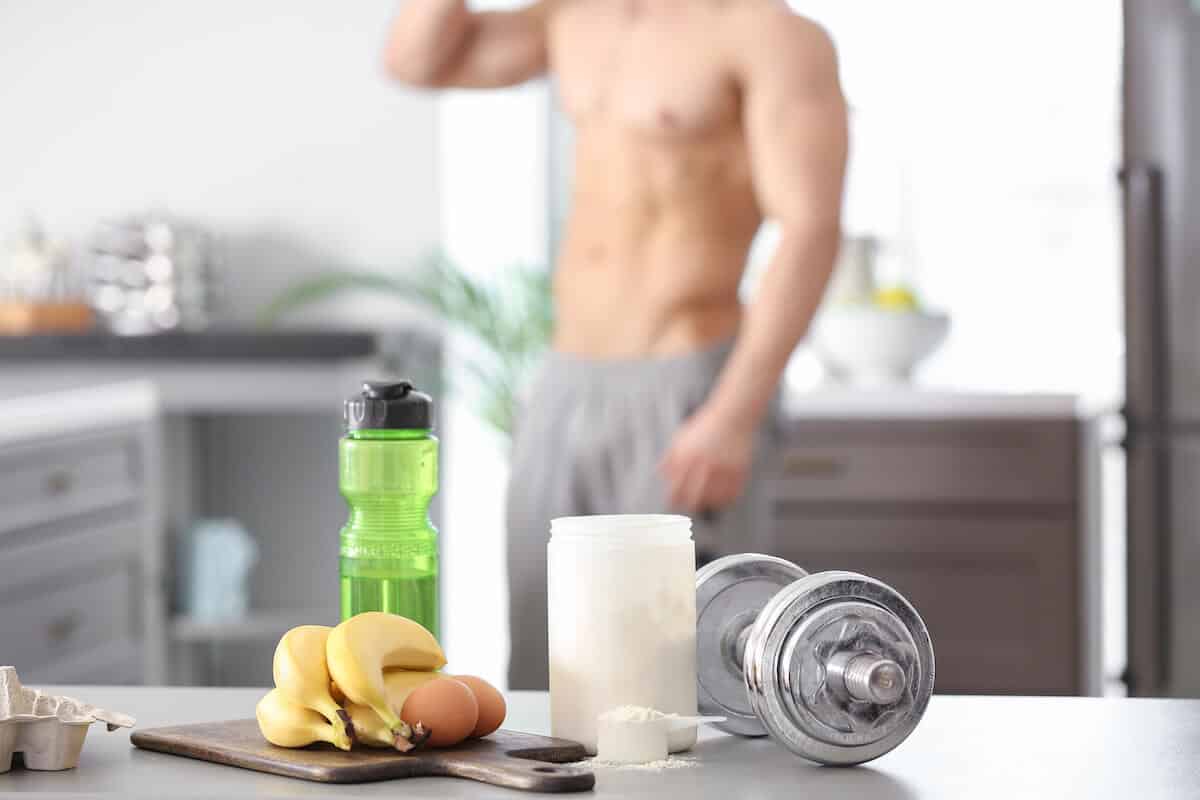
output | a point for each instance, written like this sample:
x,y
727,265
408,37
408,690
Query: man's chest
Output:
x,y
659,75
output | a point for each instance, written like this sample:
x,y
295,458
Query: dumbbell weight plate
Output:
x,y
730,593
793,639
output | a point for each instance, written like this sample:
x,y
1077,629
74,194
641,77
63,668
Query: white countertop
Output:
x,y
966,747
30,417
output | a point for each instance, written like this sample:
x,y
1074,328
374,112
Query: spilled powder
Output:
x,y
671,762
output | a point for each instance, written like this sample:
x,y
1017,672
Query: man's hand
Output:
x,y
708,463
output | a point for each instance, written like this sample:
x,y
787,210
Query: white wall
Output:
x,y
269,121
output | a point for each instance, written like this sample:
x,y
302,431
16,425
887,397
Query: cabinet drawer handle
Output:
x,y
59,483
62,628
805,466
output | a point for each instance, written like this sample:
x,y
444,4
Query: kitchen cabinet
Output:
x,y
249,426
81,565
979,513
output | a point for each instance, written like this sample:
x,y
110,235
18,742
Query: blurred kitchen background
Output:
x,y
238,218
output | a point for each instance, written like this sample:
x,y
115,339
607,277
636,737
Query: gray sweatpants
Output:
x,y
588,440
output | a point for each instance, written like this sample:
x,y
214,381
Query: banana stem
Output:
x,y
417,736
406,738
391,719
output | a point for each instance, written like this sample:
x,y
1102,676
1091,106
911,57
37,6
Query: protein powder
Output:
x,y
622,607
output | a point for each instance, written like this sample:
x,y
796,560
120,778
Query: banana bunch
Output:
x,y
345,684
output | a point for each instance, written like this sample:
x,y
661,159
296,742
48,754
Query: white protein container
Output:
x,y
622,607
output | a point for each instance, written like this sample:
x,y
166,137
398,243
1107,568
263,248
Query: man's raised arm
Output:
x,y
795,121
441,43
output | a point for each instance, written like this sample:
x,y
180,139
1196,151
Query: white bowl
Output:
x,y
867,345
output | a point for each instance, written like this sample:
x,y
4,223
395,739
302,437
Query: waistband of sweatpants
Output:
x,y
578,367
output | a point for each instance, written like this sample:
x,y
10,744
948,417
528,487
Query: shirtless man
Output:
x,y
694,121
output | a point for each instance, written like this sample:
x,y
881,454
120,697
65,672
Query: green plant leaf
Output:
x,y
326,285
509,316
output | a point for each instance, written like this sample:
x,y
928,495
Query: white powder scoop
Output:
x,y
638,735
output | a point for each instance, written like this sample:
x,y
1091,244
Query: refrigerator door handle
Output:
x,y
1146,406
1145,286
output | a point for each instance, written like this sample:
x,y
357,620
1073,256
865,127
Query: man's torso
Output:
x,y
663,208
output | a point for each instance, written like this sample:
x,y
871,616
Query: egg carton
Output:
x,y
48,730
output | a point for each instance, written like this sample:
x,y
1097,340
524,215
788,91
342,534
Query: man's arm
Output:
x,y
440,43
794,116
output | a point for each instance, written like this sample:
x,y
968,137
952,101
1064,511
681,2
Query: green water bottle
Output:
x,y
388,473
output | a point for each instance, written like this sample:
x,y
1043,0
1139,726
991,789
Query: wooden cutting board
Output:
x,y
506,758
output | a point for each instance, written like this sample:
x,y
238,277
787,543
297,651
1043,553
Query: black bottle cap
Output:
x,y
383,405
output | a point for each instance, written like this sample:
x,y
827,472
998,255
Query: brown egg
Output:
x,y
492,708
447,709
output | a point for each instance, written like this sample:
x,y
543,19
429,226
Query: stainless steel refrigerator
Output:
x,y
1161,182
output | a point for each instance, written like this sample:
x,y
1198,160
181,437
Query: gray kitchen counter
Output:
x,y
217,344
977,747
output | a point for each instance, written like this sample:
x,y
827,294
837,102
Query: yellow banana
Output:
x,y
289,724
372,731
361,648
369,729
301,675
400,683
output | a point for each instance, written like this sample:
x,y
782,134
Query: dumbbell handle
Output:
x,y
738,646
865,677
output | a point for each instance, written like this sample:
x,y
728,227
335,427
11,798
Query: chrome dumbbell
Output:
x,y
836,666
